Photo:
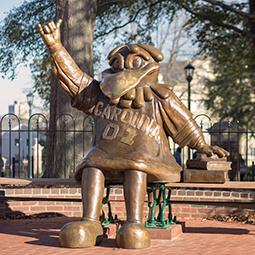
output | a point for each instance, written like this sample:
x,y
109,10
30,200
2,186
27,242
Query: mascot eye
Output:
x,y
137,62
116,64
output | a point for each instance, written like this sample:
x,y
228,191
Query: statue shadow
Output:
x,y
50,237
43,228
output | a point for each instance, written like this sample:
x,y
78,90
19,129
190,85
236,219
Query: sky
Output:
x,y
20,86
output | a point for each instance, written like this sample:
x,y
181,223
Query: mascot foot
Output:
x,y
80,234
133,236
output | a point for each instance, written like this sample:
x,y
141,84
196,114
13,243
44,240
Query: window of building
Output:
x,y
16,142
252,149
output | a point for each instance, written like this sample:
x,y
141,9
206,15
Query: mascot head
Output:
x,y
133,67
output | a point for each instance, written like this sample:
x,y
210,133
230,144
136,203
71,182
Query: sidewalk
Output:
x,y
40,236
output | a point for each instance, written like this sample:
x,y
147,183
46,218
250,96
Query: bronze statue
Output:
x,y
133,118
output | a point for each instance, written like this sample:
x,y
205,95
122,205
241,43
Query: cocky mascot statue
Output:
x,y
133,118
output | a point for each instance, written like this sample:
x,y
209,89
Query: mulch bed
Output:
x,y
244,219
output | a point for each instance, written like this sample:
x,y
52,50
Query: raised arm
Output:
x,y
72,80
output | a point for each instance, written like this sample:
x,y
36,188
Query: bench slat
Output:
x,y
37,181
226,185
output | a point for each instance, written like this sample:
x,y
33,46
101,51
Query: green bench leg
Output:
x,y
107,201
161,200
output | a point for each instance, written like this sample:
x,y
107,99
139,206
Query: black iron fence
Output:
x,y
23,143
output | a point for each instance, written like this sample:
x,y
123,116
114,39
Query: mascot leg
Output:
x,y
88,231
133,235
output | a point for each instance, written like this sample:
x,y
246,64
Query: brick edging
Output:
x,y
74,209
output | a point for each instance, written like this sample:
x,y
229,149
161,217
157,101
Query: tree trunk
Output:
x,y
252,22
77,31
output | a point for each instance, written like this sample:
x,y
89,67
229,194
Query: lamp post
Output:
x,y
189,71
30,99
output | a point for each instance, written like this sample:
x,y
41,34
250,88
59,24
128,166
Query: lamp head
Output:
x,y
189,71
30,98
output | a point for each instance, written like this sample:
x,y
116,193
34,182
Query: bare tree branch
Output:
x,y
128,22
163,36
121,26
109,2
218,23
230,8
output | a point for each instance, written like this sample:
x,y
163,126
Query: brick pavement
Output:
x,y
40,236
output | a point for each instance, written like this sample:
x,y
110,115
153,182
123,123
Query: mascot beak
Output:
x,y
117,84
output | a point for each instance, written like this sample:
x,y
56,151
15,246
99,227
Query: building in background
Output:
x,y
15,141
15,150
20,108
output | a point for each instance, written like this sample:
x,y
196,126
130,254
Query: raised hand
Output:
x,y
50,34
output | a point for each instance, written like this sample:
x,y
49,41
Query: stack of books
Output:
x,y
207,169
